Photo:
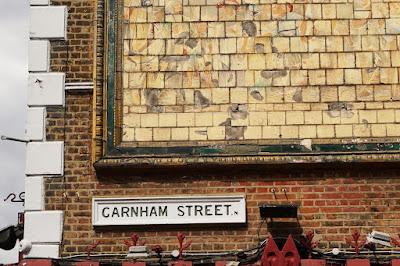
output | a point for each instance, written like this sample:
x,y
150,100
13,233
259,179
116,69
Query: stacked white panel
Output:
x,y
35,124
39,2
45,158
34,191
39,56
48,22
43,228
46,89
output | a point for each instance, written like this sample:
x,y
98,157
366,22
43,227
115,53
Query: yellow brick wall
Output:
x,y
223,70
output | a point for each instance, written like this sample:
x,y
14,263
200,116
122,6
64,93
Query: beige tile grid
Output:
x,y
194,70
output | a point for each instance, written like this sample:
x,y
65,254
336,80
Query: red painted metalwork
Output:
x,y
181,237
87,263
395,241
90,248
358,262
290,253
21,218
355,242
36,262
133,263
309,243
272,256
180,263
312,262
395,262
133,241
223,263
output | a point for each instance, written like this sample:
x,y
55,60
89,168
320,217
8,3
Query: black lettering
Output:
x,y
124,210
103,212
189,207
198,208
227,206
162,211
134,211
218,210
144,210
153,211
180,211
208,210
115,212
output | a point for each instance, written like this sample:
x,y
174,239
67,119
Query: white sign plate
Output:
x,y
169,210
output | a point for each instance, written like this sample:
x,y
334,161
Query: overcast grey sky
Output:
x,y
14,19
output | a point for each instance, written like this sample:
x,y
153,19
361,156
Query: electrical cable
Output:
x,y
259,229
246,256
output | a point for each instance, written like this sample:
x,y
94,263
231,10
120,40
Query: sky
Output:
x,y
14,20
13,86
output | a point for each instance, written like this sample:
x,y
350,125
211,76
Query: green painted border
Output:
x,y
111,25
114,150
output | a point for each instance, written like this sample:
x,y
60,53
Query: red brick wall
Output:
x,y
333,201
75,55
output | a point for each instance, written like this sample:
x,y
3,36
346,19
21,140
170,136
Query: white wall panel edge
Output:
x,y
46,89
48,22
39,2
45,158
44,227
39,56
44,251
34,193
36,123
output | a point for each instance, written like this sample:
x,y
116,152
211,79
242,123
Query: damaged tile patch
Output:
x,y
223,70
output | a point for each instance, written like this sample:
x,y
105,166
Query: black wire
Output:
x,y
259,229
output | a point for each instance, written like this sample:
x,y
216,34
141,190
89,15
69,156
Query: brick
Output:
x,y
385,116
306,132
310,61
343,131
334,76
185,119
347,93
313,117
294,118
178,72
378,130
340,27
344,11
325,131
380,10
316,44
271,132
253,132
334,44
362,130
276,118
161,134
290,132
353,76
322,27
329,94
216,133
